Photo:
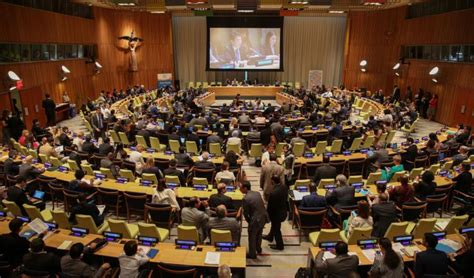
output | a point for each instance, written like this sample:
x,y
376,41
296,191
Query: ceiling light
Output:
x,y
131,4
158,12
397,66
64,69
298,2
363,70
434,71
336,12
98,65
245,11
434,80
13,76
363,63
397,74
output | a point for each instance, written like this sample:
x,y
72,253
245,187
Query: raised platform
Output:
x,y
246,91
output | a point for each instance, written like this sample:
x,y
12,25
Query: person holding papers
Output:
x,y
84,207
343,265
12,245
132,259
387,263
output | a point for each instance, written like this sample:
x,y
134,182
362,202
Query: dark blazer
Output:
x,y
175,172
28,171
204,165
324,172
49,107
276,207
230,55
87,209
13,247
89,147
341,196
95,121
153,170
183,159
17,195
47,262
254,210
463,182
10,167
339,267
313,201
431,261
424,189
220,199
105,149
383,214
65,140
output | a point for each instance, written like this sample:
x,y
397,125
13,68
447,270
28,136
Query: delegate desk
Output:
x,y
245,91
167,254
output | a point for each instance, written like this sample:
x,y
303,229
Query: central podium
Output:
x,y
245,91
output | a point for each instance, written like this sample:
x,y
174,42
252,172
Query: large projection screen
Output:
x,y
245,45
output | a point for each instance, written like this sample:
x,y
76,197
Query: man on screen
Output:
x,y
235,52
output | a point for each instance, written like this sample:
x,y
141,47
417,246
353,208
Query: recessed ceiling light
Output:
x,y
336,12
397,66
363,63
434,71
13,76
245,11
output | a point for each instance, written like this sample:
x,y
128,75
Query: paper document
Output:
x,y
328,255
59,149
144,249
38,226
369,254
451,243
299,195
212,258
65,245
408,251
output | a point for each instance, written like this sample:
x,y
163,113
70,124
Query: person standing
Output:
x,y
277,212
50,110
433,104
97,122
395,94
256,216
268,171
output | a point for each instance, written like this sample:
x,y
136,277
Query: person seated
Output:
x,y
18,195
220,198
72,265
388,173
137,157
12,245
411,151
64,139
222,222
47,148
192,216
183,159
465,256
131,260
193,137
388,263
22,140
85,207
79,140
431,261
313,200
381,188
426,186
150,168
325,171
384,213
201,120
173,171
343,265
214,138
28,171
460,157
38,260
88,146
108,163
234,139
38,131
106,147
402,193
464,180
464,135
343,195
79,184
10,168
165,196
361,219
204,163
225,175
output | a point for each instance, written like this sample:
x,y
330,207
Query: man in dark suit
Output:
x,y
395,94
172,171
235,52
88,146
383,214
410,152
256,216
276,208
105,148
325,171
98,124
9,166
342,266
313,200
86,208
50,110
39,260
18,195
204,163
222,222
431,261
12,245
343,195
220,198
64,138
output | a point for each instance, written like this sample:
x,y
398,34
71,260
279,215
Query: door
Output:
x,y
31,100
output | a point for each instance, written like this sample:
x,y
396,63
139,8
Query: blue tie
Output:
x,y
237,54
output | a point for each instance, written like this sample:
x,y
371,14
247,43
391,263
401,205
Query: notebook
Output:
x,y
212,258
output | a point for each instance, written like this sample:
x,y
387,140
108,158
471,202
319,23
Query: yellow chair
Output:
x,y
156,145
396,229
123,138
454,224
390,137
150,177
150,230
298,149
13,208
188,233
255,150
174,146
55,161
325,235
415,172
279,149
335,147
357,234
447,166
115,136
355,144
321,147
86,221
434,168
233,147
33,153
43,158
324,182
172,179
354,179
382,138
120,226
72,165
368,142
200,181
87,168
220,236
192,147
215,149
299,183
33,213
205,85
125,173
424,225
397,176
409,130
107,172
191,84
141,141
471,158
373,178
297,85
60,218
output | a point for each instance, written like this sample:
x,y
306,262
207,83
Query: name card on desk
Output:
x,y
367,243
62,169
172,185
147,240
404,240
330,187
328,245
308,155
346,153
24,219
328,154
150,150
185,244
225,246
200,187
99,176
122,180
110,236
302,188
79,232
47,165
168,152
357,185
466,230
51,226
133,148
146,182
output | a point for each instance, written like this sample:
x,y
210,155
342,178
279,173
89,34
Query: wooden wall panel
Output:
x,y
378,37
26,25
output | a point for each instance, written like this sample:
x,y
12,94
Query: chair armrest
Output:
x,y
90,196
334,210
456,192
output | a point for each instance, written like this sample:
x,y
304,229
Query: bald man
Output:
x,y
220,198
222,222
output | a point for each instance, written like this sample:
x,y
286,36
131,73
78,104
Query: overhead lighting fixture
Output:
x,y
124,4
13,76
363,65
397,66
158,12
64,72
98,67
434,71
434,80
299,2
245,11
196,2
336,12
397,74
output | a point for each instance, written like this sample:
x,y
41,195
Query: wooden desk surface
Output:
x,y
168,253
252,91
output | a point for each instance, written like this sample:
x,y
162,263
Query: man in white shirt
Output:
x,y
192,216
327,94
131,261
137,157
225,174
78,140
234,140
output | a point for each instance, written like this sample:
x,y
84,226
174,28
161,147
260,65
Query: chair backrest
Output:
x,y
368,142
336,146
354,179
255,150
356,144
425,225
215,149
455,223
382,138
87,168
311,168
149,230
310,218
141,140
125,173
204,173
119,226
135,201
279,149
55,161
188,233
356,166
390,137
436,202
174,146
220,236
397,176
412,211
359,233
306,183
415,172
13,208
70,199
155,143
72,165
33,212
324,182
328,235
233,147
115,136
447,166
43,158
172,179
179,272
396,229
124,138
60,218
159,214
107,172
150,177
321,147
434,168
86,221
298,149
340,165
192,147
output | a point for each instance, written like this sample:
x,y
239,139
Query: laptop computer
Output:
x,y
39,195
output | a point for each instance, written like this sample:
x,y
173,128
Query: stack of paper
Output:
x,y
65,245
38,226
212,258
328,255
299,195
369,254
451,243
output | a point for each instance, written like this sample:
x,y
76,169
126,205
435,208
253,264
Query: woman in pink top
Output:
x,y
432,107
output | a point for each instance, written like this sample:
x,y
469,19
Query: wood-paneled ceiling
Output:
x,y
305,7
